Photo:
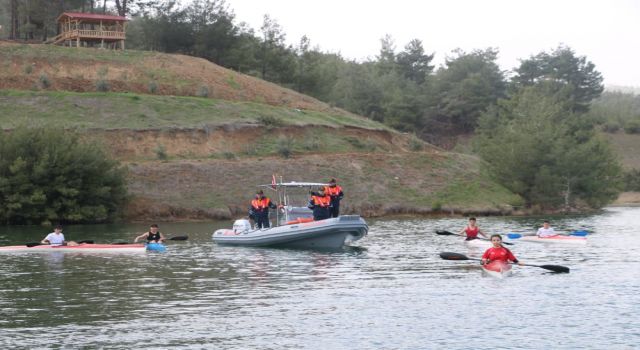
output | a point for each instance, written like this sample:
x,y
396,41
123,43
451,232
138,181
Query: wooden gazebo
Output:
x,y
91,30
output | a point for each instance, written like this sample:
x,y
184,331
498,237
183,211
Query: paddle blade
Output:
x,y
179,238
507,243
444,233
120,242
453,256
514,235
579,233
33,244
555,268
86,241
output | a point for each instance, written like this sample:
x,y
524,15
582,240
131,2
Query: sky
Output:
x,y
606,32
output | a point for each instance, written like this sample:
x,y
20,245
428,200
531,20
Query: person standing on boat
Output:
x,y
472,231
152,236
57,238
546,230
498,252
259,210
335,192
320,203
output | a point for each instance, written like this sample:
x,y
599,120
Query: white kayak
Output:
x,y
84,248
497,269
557,239
478,243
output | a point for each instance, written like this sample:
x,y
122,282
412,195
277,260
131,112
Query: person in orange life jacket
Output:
x,y
336,194
472,231
259,210
320,203
152,236
498,252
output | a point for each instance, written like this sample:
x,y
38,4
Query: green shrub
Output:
x,y
51,175
270,121
285,146
103,71
153,87
44,81
415,144
102,85
312,143
161,152
632,180
632,126
229,155
27,69
611,127
203,91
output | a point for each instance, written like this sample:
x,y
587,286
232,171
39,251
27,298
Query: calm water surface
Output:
x,y
390,292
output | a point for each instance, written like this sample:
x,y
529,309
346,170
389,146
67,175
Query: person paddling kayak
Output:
x,y
546,230
472,231
498,252
153,236
57,238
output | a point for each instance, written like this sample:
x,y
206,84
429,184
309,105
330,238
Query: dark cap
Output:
x,y
259,192
332,181
59,227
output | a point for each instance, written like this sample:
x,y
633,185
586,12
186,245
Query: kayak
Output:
x,y
84,248
478,243
497,269
560,239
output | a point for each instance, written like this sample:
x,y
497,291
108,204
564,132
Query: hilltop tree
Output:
x,y
463,89
570,74
537,147
413,63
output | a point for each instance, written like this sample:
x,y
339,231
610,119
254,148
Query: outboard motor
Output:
x,y
241,226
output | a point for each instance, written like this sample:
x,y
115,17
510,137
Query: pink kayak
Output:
x,y
561,239
84,248
497,269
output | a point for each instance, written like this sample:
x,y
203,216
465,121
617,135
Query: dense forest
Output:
x,y
539,110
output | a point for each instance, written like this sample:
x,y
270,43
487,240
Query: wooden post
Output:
x,y
102,35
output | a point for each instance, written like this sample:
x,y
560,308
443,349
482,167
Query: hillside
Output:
x,y
192,156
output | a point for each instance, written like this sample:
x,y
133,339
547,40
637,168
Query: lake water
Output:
x,y
391,292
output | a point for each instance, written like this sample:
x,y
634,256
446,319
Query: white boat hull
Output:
x,y
324,234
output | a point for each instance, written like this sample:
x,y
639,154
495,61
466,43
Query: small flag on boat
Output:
x,y
273,181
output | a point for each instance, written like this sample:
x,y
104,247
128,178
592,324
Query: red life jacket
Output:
x,y
323,202
260,204
472,233
332,191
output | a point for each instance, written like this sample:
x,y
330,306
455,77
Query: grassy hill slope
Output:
x,y
200,157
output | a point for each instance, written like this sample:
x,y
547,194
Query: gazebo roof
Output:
x,y
91,16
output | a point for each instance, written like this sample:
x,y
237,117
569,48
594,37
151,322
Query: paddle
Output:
x,y
512,235
447,233
175,238
33,244
458,256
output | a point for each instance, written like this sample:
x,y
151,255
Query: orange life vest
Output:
x,y
324,201
260,203
332,191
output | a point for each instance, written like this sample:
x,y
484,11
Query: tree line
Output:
x,y
534,124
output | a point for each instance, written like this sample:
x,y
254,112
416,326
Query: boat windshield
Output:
x,y
294,196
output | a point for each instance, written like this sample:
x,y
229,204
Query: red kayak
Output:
x,y
497,269
85,248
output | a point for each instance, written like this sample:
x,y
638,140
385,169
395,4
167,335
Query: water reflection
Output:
x,y
392,291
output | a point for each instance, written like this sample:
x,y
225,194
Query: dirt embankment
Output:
x,y
79,69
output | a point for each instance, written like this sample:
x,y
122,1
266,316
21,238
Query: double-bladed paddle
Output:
x,y
33,244
175,238
448,233
458,256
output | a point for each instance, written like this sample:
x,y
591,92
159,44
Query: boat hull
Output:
x,y
497,269
83,248
573,240
324,234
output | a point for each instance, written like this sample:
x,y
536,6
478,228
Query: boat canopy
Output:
x,y
296,184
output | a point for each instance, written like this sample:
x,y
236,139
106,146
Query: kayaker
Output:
x,y
152,236
472,231
498,252
259,210
335,192
57,238
320,203
546,230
